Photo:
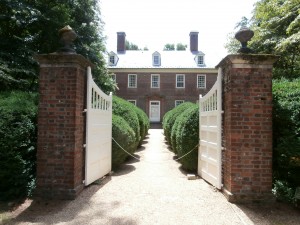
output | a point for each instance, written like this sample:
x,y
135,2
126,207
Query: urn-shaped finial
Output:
x,y
67,36
244,35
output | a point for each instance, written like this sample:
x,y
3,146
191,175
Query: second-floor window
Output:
x,y
114,77
201,81
180,81
155,81
132,81
178,102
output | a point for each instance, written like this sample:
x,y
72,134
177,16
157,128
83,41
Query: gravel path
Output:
x,y
152,190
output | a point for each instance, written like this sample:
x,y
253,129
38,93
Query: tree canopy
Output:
x,y
276,26
30,27
171,47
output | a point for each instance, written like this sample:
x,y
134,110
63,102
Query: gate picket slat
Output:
x,y
98,132
210,122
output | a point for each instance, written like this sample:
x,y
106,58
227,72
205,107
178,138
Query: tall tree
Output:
x,y
181,47
169,47
31,27
276,26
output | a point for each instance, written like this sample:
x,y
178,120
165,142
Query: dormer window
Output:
x,y
200,60
112,59
156,59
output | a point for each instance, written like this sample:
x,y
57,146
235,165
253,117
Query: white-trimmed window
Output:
x,y
201,81
156,59
155,81
178,102
112,59
132,81
114,77
200,60
180,81
132,101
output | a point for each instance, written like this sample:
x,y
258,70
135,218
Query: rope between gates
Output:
x,y
149,161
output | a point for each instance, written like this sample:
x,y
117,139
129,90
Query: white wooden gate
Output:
x,y
210,134
98,132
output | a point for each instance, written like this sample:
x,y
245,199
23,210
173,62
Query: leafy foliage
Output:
x,y
181,129
143,122
31,27
187,137
170,117
286,132
276,26
18,132
124,109
123,134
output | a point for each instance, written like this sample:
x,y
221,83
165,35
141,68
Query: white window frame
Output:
x,y
112,60
156,60
179,75
129,85
132,101
198,83
158,80
178,102
198,61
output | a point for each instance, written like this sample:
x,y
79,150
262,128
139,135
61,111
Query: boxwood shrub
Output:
x,y
286,136
125,136
18,136
170,117
125,109
143,122
187,137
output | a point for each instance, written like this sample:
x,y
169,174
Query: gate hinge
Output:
x,y
84,145
85,110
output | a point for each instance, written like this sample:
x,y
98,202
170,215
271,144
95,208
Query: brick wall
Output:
x,y
60,155
247,99
167,93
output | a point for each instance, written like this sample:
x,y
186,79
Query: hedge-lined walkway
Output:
x,y
151,191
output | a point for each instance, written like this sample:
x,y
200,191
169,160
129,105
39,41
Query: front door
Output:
x,y
154,111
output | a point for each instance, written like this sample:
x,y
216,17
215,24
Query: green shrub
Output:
x,y
124,135
187,137
286,135
125,109
143,122
18,134
170,117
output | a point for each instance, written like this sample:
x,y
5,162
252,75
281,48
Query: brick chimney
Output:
x,y
194,41
121,47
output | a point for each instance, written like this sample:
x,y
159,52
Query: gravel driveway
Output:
x,y
151,190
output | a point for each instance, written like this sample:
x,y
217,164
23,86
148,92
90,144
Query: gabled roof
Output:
x,y
169,59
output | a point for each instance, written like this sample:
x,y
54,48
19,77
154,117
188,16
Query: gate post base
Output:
x,y
58,193
248,198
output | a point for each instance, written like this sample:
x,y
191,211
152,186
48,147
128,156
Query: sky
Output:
x,y
154,23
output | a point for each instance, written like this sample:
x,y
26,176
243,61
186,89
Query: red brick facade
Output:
x,y
167,92
247,131
60,153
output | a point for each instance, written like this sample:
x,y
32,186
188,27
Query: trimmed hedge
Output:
x,y
187,137
18,136
170,117
125,109
143,121
286,137
125,136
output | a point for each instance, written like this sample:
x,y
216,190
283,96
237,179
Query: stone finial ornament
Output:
x,y
67,36
244,35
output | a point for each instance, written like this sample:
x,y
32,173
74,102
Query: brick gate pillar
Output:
x,y
61,125
247,128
